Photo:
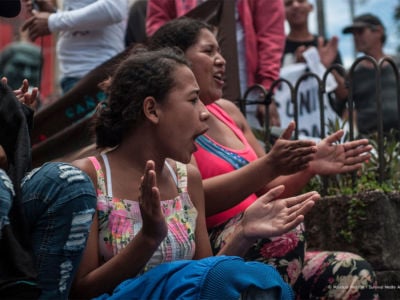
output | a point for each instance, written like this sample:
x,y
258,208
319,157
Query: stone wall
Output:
x,y
372,228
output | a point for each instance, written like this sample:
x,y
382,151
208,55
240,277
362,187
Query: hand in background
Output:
x,y
23,95
40,5
328,51
274,119
37,25
299,53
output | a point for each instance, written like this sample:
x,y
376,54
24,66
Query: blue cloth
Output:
x,y
216,277
6,196
67,83
59,201
230,157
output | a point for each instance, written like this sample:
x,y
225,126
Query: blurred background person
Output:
x,y
369,38
136,26
308,52
90,32
19,61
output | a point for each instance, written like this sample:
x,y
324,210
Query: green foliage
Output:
x,y
366,179
356,212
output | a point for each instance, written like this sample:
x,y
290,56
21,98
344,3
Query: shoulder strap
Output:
x,y
99,174
209,145
171,170
108,175
182,176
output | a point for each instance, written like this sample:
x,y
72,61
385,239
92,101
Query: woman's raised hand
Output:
x,y
335,158
288,156
269,216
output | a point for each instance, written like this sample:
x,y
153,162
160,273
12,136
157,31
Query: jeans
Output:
x,y
59,202
68,83
6,196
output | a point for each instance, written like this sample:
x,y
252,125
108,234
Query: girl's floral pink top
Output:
x,y
120,220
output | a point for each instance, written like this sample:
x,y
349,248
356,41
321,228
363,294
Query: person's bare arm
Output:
x,y
196,192
267,217
331,158
233,187
352,154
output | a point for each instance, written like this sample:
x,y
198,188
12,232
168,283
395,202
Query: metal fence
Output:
x,y
348,76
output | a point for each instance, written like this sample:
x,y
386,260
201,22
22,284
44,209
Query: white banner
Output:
x,y
307,96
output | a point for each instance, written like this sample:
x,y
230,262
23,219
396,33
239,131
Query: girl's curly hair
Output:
x,y
144,73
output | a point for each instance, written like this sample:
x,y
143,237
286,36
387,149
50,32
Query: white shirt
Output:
x,y
90,32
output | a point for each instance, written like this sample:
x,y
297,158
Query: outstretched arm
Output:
x,y
331,158
286,157
335,158
267,217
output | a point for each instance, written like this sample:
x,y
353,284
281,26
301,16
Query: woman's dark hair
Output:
x,y
142,74
182,33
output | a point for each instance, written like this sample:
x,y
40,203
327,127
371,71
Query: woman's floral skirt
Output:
x,y
312,275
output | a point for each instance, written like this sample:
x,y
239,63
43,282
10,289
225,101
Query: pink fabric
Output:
x,y
263,24
120,220
210,165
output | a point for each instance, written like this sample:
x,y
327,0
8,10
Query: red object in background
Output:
x,y
6,35
9,32
48,74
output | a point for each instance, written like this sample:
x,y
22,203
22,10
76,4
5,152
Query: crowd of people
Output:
x,y
179,193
